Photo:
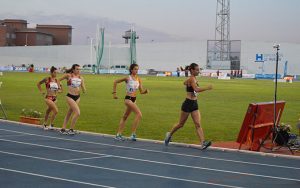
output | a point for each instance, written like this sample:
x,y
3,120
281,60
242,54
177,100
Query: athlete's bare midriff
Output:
x,y
74,90
51,93
191,96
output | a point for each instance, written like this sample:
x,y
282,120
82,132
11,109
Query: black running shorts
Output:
x,y
189,105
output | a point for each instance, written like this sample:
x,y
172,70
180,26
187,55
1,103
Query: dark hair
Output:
x,y
71,70
52,69
132,67
192,66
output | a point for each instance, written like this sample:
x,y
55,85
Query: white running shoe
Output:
x,y
51,127
119,137
168,138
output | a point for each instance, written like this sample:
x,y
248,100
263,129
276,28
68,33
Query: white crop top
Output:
x,y
132,85
75,82
53,86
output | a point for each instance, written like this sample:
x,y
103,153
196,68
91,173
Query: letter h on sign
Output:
x,y
259,58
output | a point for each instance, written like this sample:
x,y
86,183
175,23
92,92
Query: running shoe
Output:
x,y
71,132
168,138
119,137
51,127
205,145
133,137
45,127
63,131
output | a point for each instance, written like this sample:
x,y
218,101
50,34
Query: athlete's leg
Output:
x,y
68,115
76,111
196,116
138,114
53,108
123,120
183,117
47,113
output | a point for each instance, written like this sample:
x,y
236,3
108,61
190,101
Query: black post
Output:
x,y
275,130
276,81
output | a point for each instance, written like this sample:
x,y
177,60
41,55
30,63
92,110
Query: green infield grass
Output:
x,y
222,109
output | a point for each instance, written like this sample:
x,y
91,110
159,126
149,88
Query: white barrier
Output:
x,y
224,77
283,81
248,76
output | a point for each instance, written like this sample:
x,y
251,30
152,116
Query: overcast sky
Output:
x,y
267,20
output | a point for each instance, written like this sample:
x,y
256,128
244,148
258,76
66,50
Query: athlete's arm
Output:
x,y
40,87
186,82
125,79
198,89
83,85
60,89
141,89
65,77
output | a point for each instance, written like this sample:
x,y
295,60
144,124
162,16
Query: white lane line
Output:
x,y
157,162
163,152
87,158
123,171
55,178
12,135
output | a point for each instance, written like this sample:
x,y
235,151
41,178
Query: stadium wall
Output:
x,y
158,56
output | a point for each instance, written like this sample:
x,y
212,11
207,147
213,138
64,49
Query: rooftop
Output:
x,y
54,26
31,30
14,21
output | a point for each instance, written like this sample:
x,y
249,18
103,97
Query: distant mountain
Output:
x,y
85,27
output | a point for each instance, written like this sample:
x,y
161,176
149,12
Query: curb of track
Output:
x,y
172,143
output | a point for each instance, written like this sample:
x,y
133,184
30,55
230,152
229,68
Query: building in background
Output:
x,y
62,33
32,37
8,28
14,32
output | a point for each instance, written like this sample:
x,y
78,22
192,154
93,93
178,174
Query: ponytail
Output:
x,y
52,69
71,70
192,66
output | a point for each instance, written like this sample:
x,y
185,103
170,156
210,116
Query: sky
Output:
x,y
255,20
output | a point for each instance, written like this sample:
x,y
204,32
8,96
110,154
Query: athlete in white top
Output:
x,y
133,83
75,82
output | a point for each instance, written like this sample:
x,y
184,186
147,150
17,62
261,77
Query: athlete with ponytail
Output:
x,y
75,82
190,106
52,88
133,83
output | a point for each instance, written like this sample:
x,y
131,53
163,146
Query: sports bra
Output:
x,y
132,85
52,85
190,88
74,82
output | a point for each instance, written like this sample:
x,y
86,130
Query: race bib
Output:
x,y
53,86
75,82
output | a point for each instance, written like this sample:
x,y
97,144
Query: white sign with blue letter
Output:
x,y
267,57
